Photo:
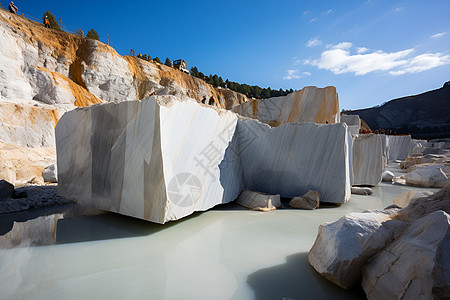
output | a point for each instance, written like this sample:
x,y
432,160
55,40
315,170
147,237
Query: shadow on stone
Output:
x,y
296,279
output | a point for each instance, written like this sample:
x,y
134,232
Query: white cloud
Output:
x,y
438,35
306,12
339,60
292,74
343,46
423,62
398,9
306,73
312,20
328,11
361,50
296,60
313,42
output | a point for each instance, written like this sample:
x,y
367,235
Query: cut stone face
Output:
x,y
293,158
147,160
310,104
399,147
353,122
163,158
368,162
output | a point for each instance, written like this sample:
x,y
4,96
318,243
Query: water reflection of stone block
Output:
x,y
35,232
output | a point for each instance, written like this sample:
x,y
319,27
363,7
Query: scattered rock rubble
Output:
x,y
310,200
377,247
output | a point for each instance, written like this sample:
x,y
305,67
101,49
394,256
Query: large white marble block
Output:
x,y
385,148
368,162
399,146
294,158
310,104
159,159
163,158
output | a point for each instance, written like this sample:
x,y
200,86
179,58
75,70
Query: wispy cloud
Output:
x,y
313,42
438,35
291,74
361,50
422,62
399,9
327,12
312,20
306,73
339,60
296,60
306,12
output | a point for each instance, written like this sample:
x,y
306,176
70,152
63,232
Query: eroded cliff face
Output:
x,y
45,72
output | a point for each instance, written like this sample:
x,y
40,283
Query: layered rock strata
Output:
x,y
163,158
368,162
310,104
45,72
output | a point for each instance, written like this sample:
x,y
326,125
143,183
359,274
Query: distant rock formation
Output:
x,y
426,115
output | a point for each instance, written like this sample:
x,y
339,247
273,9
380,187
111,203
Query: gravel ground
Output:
x,y
31,197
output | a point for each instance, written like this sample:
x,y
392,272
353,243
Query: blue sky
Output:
x,y
372,51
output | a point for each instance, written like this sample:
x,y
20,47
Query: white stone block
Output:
x,y
368,162
353,122
50,174
310,104
399,147
428,176
163,158
293,158
258,201
387,176
343,247
416,265
155,161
